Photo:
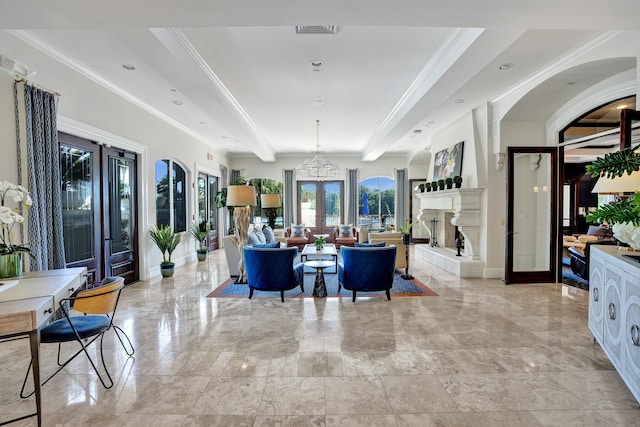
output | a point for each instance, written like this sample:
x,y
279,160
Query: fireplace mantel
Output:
x,y
465,204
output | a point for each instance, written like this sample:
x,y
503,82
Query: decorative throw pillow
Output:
x,y
370,245
252,238
297,230
268,245
346,230
268,234
261,237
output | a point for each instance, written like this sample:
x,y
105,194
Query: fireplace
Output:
x,y
441,212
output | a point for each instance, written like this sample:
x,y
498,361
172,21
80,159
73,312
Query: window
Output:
x,y
171,197
377,207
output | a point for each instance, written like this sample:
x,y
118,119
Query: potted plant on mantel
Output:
x,y
624,213
457,181
167,241
197,232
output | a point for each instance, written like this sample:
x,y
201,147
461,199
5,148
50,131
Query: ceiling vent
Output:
x,y
13,66
316,29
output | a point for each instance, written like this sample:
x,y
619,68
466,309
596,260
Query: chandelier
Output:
x,y
318,166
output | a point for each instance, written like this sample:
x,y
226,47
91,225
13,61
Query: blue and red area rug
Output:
x,y
400,288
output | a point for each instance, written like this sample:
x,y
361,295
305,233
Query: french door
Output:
x,y
99,209
532,217
320,205
207,208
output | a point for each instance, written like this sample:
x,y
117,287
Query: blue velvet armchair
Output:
x,y
367,269
272,269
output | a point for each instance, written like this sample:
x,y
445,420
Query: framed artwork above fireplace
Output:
x,y
448,162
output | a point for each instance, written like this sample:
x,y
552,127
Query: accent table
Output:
x,y
406,275
320,288
27,306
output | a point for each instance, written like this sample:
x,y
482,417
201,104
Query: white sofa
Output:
x,y
232,254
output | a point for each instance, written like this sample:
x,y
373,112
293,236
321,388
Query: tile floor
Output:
x,y
479,354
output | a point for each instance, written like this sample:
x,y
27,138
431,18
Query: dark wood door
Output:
x,y
120,214
320,205
532,217
81,206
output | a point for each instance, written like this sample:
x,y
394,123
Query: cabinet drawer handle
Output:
x,y
635,335
612,311
596,294
48,311
72,289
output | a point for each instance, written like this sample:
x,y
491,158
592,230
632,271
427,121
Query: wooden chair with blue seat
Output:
x,y
367,269
87,316
272,269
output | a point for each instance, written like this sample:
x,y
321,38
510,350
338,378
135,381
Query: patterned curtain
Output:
x,y
45,232
352,197
287,189
401,196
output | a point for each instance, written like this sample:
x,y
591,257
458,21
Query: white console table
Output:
x,y
614,310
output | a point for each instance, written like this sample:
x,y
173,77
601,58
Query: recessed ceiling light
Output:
x,y
431,122
202,123
459,101
173,90
315,64
128,67
416,131
571,83
505,66
317,102
177,102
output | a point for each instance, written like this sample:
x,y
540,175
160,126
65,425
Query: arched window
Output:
x,y
377,208
171,195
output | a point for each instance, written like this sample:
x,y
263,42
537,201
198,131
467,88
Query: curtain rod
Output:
x,y
20,79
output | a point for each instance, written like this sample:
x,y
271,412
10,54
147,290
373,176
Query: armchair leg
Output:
x,y
250,292
354,297
388,294
282,296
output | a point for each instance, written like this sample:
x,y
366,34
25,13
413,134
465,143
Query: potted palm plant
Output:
x,y
167,241
319,243
200,233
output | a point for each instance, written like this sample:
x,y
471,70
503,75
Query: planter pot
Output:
x,y
428,189
10,265
440,186
449,186
167,269
406,238
458,184
202,254
319,247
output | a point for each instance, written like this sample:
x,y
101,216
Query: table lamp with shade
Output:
x,y
619,184
241,197
270,203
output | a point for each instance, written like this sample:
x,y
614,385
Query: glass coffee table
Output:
x,y
329,252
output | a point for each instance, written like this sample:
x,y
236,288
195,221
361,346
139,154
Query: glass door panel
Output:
x,y
320,206
531,217
80,192
120,215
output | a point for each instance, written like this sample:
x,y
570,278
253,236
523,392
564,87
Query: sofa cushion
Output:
x,y
297,230
261,237
569,238
370,245
252,238
268,234
600,232
585,239
268,245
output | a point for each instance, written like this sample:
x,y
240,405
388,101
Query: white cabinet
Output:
x,y
614,311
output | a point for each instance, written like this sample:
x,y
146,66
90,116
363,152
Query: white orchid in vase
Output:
x,y
10,216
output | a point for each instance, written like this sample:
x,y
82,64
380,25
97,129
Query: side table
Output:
x,y
319,288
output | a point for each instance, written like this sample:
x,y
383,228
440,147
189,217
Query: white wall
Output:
x,y
94,110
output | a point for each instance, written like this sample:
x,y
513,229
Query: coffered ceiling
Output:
x,y
237,75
